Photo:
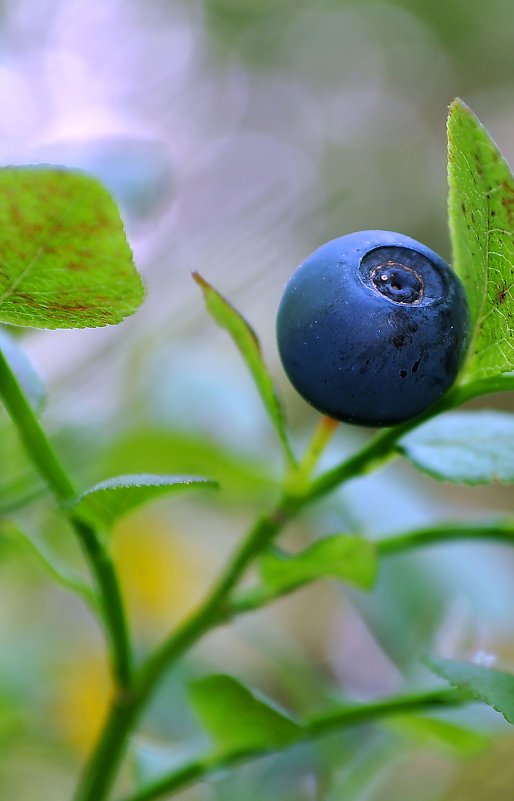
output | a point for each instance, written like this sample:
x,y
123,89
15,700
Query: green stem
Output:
x,y
257,596
100,772
216,609
334,720
484,386
33,436
102,768
438,535
378,450
395,705
50,469
191,772
115,619
381,448
298,477
213,611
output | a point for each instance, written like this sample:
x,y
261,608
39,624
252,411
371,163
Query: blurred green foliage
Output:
x,y
285,123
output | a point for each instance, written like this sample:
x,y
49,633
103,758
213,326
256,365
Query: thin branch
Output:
x,y
333,720
52,472
502,532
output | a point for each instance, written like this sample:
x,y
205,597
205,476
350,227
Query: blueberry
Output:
x,y
372,328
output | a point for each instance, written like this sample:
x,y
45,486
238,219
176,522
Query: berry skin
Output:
x,y
372,328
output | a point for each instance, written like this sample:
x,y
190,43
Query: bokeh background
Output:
x,y
237,136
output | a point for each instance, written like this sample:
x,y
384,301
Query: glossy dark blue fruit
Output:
x,y
372,328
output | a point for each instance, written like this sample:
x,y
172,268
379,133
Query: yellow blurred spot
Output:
x,y
84,695
162,576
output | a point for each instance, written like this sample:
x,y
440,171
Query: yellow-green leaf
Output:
x,y
65,261
481,210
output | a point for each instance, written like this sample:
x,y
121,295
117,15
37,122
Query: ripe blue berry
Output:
x,y
372,328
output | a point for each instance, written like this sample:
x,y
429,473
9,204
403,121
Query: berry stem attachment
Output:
x,y
298,478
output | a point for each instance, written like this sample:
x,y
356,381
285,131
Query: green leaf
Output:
x,y
23,371
249,346
65,259
237,720
111,499
244,479
340,556
464,447
11,535
493,687
481,209
443,733
18,493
